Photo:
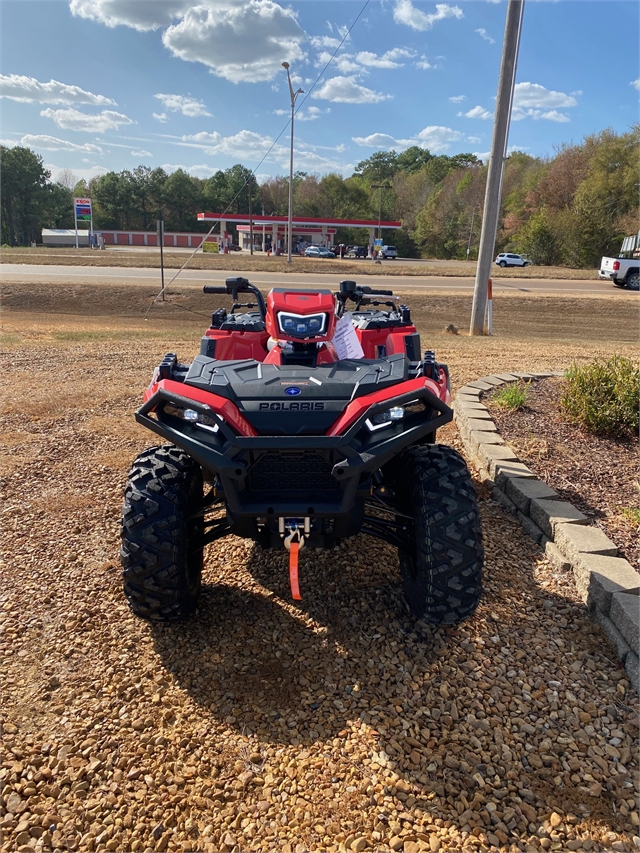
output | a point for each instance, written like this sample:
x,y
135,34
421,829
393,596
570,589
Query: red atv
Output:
x,y
298,425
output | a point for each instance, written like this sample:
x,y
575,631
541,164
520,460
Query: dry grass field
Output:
x,y
243,262
336,723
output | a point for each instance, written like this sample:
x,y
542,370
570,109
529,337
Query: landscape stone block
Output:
x,y
625,615
530,527
576,539
622,647
500,498
522,491
468,391
483,439
481,385
547,514
492,380
555,555
598,577
505,470
631,664
481,425
471,410
492,453
506,377
524,375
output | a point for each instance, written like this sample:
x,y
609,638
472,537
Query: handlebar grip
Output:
x,y
209,289
380,293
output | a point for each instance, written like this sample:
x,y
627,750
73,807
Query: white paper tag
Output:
x,y
345,339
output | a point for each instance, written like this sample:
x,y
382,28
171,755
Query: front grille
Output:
x,y
300,471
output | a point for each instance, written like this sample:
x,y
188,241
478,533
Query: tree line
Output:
x,y
567,209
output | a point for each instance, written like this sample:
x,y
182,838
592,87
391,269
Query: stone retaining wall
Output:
x,y
607,583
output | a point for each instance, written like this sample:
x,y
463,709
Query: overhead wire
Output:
x,y
346,35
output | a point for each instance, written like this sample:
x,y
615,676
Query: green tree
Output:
x,y
182,198
24,194
413,159
378,168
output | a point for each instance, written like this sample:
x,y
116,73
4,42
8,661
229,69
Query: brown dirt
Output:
x,y
244,262
597,475
261,723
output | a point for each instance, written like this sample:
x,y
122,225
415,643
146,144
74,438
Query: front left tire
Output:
x,y
161,552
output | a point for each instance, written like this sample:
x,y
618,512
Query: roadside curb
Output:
x,y
608,584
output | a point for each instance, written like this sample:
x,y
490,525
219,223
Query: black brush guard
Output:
x,y
324,477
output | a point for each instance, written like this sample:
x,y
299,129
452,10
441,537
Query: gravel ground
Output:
x,y
335,724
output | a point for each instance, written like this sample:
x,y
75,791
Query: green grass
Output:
x,y
602,396
9,339
512,396
87,336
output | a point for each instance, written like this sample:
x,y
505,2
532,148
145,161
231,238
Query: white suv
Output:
x,y
388,252
508,259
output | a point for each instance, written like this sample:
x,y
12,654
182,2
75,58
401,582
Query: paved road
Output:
x,y
137,275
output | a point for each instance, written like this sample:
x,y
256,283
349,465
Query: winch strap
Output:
x,y
293,570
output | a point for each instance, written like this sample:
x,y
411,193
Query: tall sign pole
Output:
x,y
160,232
82,213
504,103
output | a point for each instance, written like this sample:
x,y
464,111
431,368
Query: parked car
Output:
x,y
318,252
388,252
357,252
233,248
508,259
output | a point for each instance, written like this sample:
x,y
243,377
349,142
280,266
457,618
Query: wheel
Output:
x,y
160,555
633,280
442,572
502,264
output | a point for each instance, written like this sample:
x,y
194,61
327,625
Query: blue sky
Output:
x,y
100,85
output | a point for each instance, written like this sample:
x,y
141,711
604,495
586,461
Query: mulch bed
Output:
x,y
597,475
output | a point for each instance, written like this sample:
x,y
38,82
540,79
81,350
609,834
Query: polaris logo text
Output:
x,y
294,406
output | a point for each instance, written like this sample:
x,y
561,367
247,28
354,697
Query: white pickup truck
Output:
x,y
624,271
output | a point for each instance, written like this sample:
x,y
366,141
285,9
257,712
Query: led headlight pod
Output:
x,y
302,325
385,419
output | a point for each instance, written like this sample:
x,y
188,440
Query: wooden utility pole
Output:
x,y
504,103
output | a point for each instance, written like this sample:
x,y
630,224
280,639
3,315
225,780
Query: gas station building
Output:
x,y
272,230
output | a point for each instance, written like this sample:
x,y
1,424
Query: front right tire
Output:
x,y
442,569
162,530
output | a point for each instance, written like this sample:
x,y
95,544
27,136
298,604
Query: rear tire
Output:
x,y
502,264
161,560
442,574
633,281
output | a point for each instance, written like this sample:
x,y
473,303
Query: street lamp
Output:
x,y
380,187
294,95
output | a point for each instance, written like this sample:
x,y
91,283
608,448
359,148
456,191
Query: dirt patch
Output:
x,y
597,475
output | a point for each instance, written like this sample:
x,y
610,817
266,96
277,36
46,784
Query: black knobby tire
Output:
x,y
161,560
442,573
503,264
632,280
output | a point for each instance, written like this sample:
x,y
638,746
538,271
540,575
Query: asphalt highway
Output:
x,y
21,273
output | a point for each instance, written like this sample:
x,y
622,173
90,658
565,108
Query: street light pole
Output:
x,y
294,95
380,187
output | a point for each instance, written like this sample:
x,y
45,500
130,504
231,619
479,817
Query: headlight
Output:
x,y
198,419
302,325
385,419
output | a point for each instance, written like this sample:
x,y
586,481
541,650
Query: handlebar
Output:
x,y
209,289
234,286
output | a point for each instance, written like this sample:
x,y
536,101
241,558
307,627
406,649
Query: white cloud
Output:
x,y
423,63
199,171
406,13
458,99
635,84
52,143
71,119
242,42
554,115
477,112
191,107
325,41
310,114
387,60
17,87
141,153
485,35
474,139
344,63
533,95
434,137
345,90
160,117
147,15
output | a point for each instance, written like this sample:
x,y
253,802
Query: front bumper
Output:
x,y
293,476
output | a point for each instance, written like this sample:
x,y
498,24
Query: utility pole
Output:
x,y
504,103
380,187
250,216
